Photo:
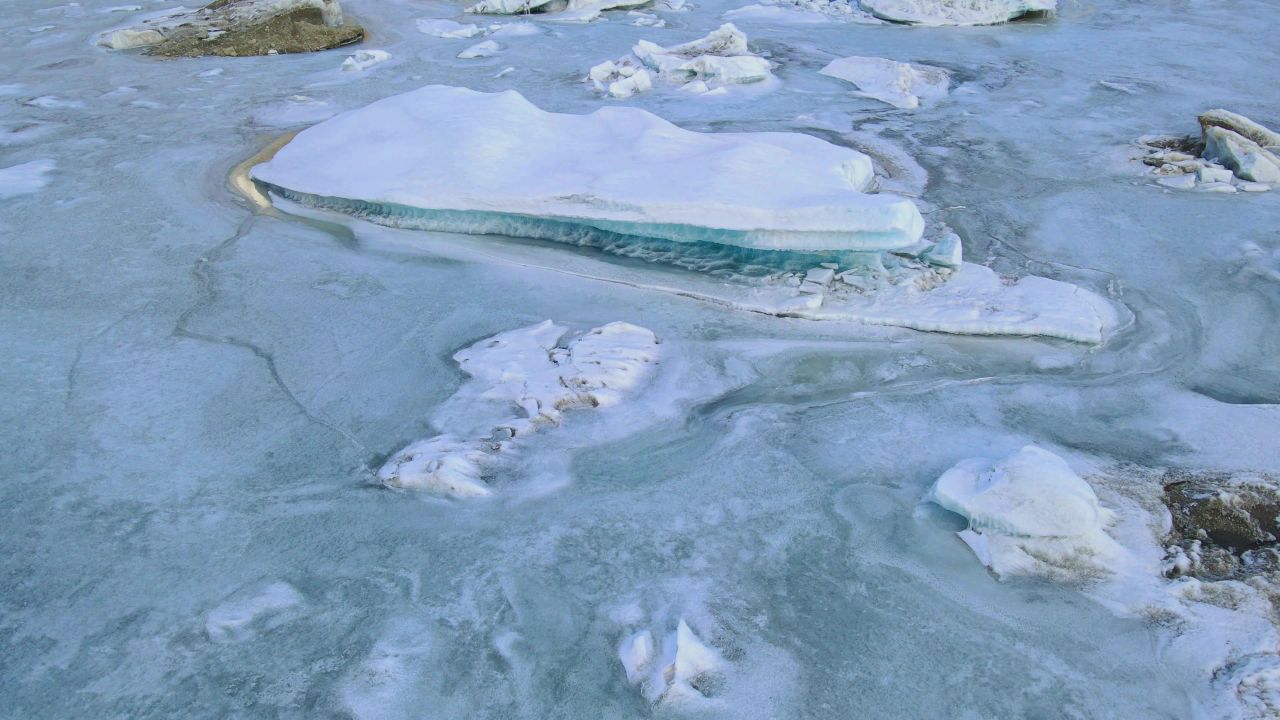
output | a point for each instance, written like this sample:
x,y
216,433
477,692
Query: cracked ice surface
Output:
x,y
196,397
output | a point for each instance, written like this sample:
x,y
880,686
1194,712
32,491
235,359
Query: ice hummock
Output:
x,y
705,65
528,376
955,12
1027,511
902,85
447,158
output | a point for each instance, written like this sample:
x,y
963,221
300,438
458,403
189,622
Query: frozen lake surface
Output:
x,y
200,392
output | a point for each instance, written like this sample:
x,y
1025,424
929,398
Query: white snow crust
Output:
x,y
25,178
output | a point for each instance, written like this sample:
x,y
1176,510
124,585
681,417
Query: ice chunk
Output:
x,y
1246,158
900,84
481,49
448,28
672,675
1025,511
636,653
235,618
955,12
1240,125
455,159
721,58
25,178
526,371
365,59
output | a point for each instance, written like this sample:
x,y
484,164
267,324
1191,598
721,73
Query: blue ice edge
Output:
x,y
690,246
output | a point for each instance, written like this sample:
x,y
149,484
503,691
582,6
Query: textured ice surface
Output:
x,y
27,177
900,84
531,376
445,158
196,394
955,12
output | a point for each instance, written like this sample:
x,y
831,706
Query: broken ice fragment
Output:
x,y
900,84
955,12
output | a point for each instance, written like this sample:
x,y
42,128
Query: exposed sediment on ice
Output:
x,y
1233,153
239,28
531,376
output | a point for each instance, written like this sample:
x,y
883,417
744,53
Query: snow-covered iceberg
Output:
x,y
453,159
955,12
900,84
522,380
704,65
1028,513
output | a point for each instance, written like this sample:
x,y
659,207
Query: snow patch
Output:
x,y
25,178
900,84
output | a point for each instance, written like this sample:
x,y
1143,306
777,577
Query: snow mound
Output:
x,y
531,377
453,159
703,65
955,12
1027,513
900,84
24,178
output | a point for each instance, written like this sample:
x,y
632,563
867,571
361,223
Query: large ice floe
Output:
x,y
522,380
703,66
955,12
621,179
902,85
238,27
1031,514
1233,153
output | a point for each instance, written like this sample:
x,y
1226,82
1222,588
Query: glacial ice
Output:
x,y
25,178
528,371
717,60
955,12
446,158
902,85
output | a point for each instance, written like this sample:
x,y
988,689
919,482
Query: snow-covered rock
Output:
x,y
721,58
1028,513
955,12
238,27
900,84
532,377
453,159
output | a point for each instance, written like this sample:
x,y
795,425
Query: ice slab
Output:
x,y
900,84
447,158
25,178
532,377
955,12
